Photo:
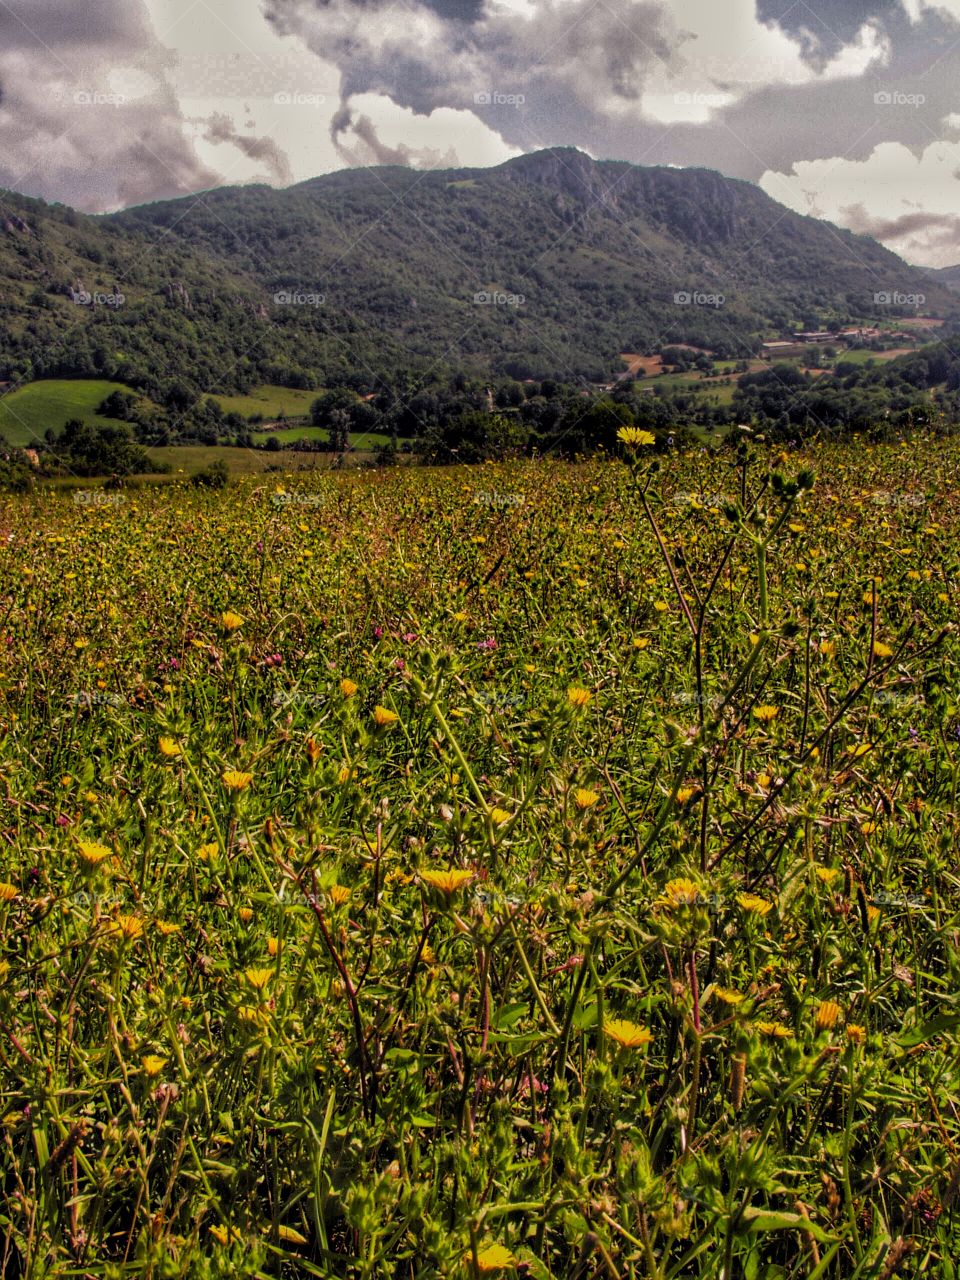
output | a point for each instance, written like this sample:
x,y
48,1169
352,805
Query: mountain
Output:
x,y
948,276
546,266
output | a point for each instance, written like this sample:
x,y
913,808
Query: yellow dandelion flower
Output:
x,y
828,648
348,688
881,650
629,1034
289,1236
728,996
7,891
634,437
868,828
856,1033
245,914
578,697
493,1257
208,851
273,947
258,978
640,643
236,780
230,621
153,1064
446,882
499,816
170,747
585,799
828,1015
339,894
92,854
685,794
754,905
680,892
774,1030
167,928
131,927
766,713
346,774
383,717
826,875
661,606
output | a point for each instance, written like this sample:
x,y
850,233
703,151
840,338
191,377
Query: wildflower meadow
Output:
x,y
533,869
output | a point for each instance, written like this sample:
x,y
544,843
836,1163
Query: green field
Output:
x,y
358,439
187,460
270,401
533,871
25,414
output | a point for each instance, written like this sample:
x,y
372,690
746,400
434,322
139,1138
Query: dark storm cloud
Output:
x,y
822,27
220,128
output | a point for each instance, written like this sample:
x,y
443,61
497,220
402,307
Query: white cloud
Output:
x,y
906,200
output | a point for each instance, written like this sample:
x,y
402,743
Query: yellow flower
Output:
x,y
868,828
629,1034
223,1234
661,606
7,891
827,1015
130,927
346,774
729,996
685,793
640,642
680,892
167,928
578,697
208,851
384,717
289,1236
766,713
828,648
585,799
258,978
236,780
153,1065
634,436
499,816
245,914
230,620
754,905
493,1257
170,747
856,1033
881,650
348,688
861,750
273,947
339,894
826,875
775,1030
93,854
446,882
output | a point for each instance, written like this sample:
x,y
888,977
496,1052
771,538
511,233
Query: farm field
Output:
x,y
25,414
527,870
270,401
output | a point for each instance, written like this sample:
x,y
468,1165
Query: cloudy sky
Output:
x,y
845,109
